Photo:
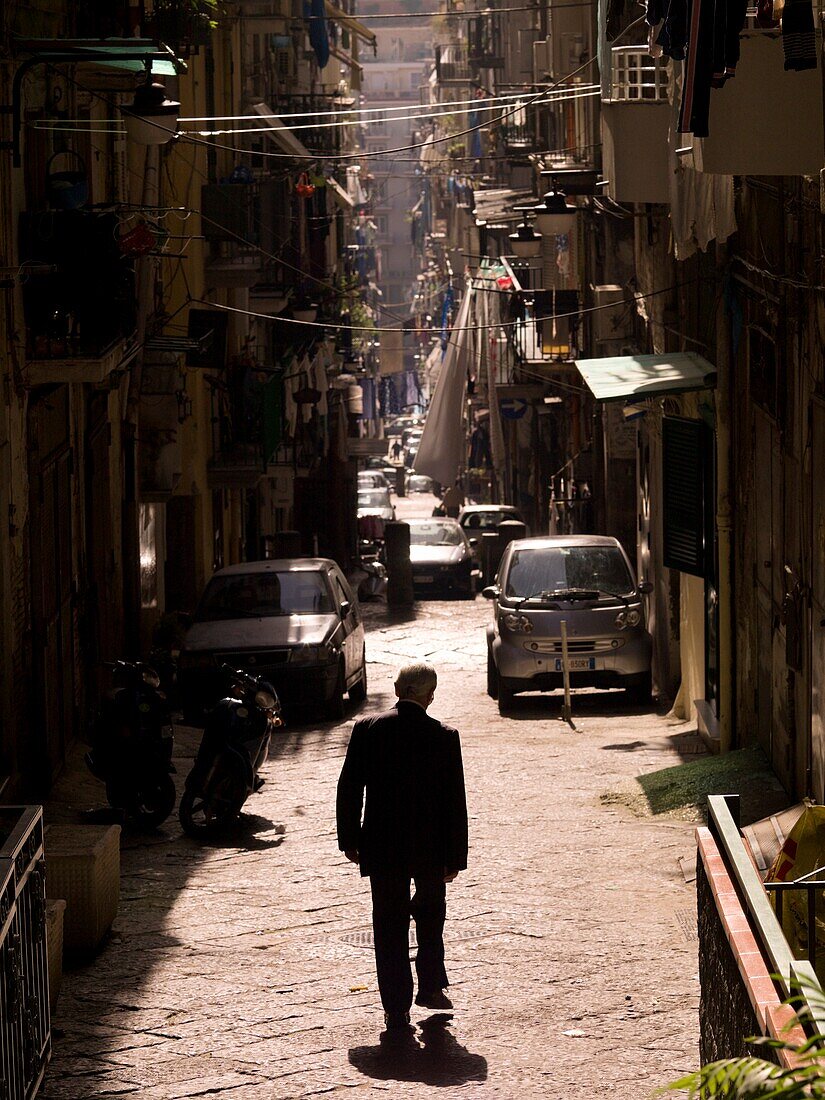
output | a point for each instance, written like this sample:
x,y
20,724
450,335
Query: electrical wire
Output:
x,y
579,92
329,326
358,110
488,10
350,156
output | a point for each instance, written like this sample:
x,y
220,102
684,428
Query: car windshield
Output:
x,y
487,521
261,595
435,534
562,568
372,498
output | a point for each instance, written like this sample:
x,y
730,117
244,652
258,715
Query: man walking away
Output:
x,y
414,827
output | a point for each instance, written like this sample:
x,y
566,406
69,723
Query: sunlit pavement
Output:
x,y
246,969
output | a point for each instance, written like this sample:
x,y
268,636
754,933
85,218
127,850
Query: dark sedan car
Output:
x,y
442,558
294,621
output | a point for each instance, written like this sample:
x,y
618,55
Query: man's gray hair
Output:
x,y
417,678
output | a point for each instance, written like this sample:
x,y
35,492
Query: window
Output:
x,y
264,595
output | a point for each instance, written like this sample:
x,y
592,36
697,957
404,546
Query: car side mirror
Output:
x,y
490,592
346,607
473,542
645,587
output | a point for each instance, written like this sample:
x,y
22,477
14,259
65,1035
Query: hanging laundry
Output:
x,y
798,35
316,16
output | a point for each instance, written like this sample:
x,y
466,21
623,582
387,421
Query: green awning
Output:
x,y
131,54
637,377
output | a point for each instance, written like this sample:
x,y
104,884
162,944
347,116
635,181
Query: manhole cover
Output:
x,y
364,938
686,919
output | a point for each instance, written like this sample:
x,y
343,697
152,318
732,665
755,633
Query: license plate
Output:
x,y
577,664
428,579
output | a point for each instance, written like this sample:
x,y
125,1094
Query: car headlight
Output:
x,y
517,623
313,654
628,618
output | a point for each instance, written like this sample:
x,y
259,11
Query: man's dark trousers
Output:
x,y
391,910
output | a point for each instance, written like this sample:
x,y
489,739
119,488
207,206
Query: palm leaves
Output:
x,y
752,1078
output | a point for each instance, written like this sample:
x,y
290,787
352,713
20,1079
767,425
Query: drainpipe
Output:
x,y
144,288
724,509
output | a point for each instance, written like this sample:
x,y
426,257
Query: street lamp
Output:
x,y
152,119
525,242
553,216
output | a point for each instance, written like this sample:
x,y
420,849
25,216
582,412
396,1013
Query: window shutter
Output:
x,y
687,463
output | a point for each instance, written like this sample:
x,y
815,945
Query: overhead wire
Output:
x,y
431,141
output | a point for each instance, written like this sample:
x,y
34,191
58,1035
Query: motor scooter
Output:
x,y
132,742
234,745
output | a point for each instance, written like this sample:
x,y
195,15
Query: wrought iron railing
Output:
x,y
25,1026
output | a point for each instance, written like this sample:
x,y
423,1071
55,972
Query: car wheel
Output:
x,y
641,695
492,676
505,698
358,691
335,703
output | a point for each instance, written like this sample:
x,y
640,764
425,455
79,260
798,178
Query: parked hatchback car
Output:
x,y
442,558
375,502
294,621
486,517
372,479
585,580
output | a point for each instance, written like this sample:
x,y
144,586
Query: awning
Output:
x,y
282,134
346,59
339,194
351,24
131,54
636,377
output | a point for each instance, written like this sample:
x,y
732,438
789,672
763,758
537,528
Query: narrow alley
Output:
x,y
247,969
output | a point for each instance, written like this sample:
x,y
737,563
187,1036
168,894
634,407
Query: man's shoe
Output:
x,y
436,999
395,1020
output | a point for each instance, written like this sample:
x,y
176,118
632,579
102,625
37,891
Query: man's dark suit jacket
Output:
x,y
415,813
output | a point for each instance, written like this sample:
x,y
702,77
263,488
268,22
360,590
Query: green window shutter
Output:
x,y
687,463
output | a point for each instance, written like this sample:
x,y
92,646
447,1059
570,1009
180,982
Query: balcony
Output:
x,y
452,66
247,422
245,224
485,42
302,113
635,127
547,321
79,300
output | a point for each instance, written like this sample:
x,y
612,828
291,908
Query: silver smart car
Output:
x,y
585,580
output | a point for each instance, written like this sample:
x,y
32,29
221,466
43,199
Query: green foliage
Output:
x,y
754,1078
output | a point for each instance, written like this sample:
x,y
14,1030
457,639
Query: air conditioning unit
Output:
x,y
542,59
612,317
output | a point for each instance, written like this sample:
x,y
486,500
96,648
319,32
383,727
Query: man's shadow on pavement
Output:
x,y
441,1060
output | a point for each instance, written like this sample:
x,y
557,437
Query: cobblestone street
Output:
x,y
247,969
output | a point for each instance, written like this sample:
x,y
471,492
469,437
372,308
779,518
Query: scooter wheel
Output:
x,y
206,814
154,801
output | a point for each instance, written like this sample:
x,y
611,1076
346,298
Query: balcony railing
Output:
x,y
636,76
301,113
25,1025
246,225
79,297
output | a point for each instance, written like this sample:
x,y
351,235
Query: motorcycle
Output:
x,y
234,745
132,744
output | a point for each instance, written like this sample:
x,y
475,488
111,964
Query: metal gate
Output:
x,y
25,1026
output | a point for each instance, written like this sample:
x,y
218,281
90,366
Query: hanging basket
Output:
x,y
67,189
303,187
